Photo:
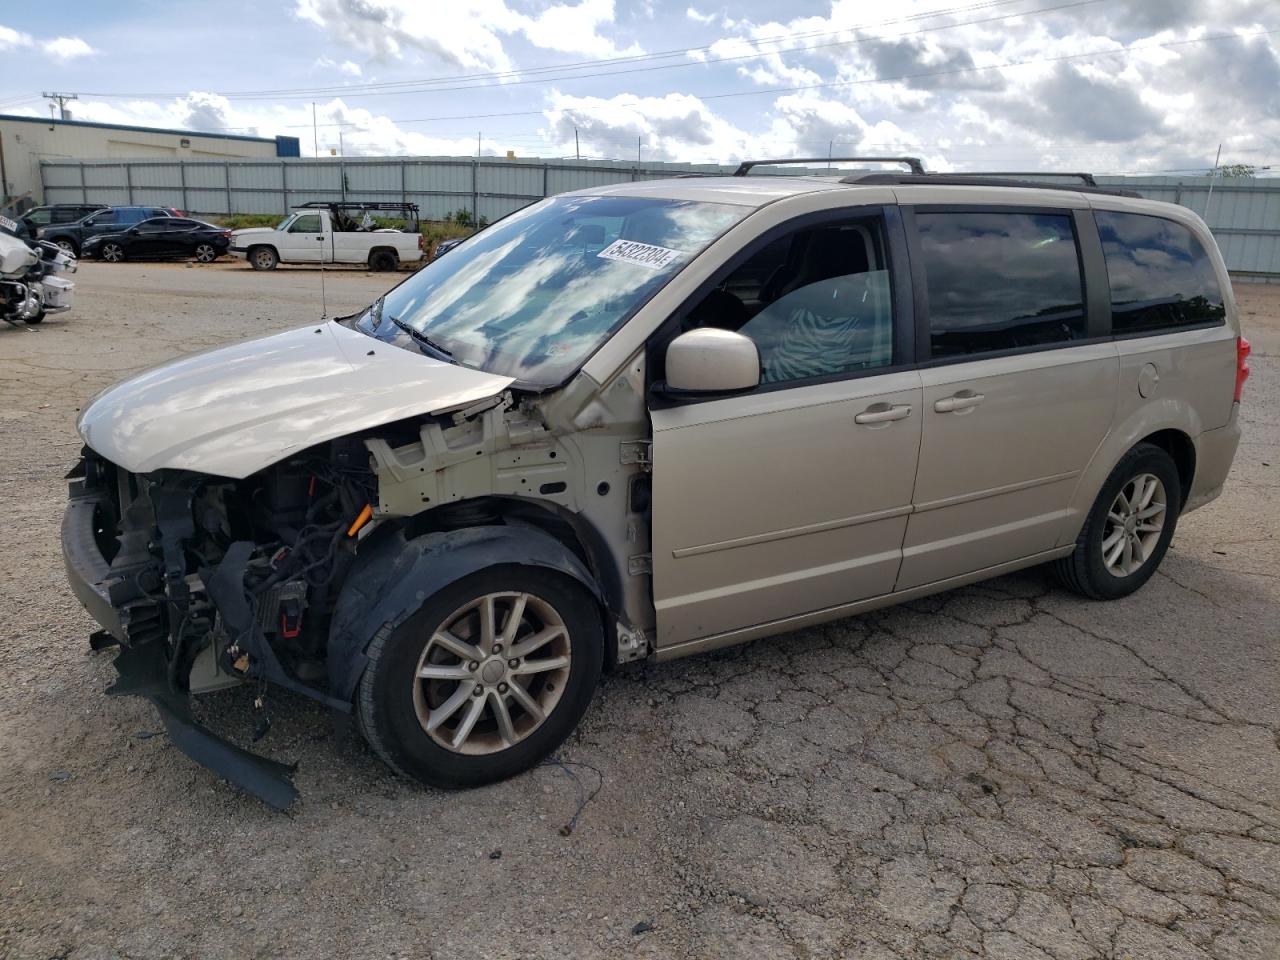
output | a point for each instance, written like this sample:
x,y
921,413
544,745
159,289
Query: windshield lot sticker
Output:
x,y
644,254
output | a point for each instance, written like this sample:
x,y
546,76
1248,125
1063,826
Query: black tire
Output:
x,y
38,318
383,261
385,697
111,252
1085,571
263,258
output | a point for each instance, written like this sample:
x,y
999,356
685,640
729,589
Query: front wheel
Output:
x,y
206,253
485,679
263,258
112,252
67,247
1129,527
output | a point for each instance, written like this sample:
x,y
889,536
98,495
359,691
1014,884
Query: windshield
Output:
x,y
285,222
532,296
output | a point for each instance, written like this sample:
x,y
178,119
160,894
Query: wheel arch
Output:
x,y
1167,424
400,568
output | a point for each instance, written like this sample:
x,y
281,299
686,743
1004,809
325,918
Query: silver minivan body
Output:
x,y
937,456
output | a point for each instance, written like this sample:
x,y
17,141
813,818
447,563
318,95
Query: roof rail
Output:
x,y
961,180
1085,178
912,163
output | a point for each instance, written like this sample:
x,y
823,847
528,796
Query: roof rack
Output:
x,y
913,163
356,205
1085,178
985,180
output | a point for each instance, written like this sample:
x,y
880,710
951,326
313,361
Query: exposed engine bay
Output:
x,y
235,578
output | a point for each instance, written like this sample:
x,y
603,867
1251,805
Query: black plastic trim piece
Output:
x,y
914,163
957,180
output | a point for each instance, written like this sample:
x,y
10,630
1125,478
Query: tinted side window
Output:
x,y
106,216
1161,277
1000,281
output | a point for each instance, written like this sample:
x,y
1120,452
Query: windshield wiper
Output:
x,y
423,339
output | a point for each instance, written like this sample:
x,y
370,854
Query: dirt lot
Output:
x,y
1003,771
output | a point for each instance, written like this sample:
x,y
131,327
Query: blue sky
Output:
x,y
1105,85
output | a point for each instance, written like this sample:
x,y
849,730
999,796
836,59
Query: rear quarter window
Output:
x,y
1160,275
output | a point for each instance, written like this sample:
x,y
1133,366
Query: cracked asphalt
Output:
x,y
1004,771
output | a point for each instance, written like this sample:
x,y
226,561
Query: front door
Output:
x,y
1018,393
791,498
303,241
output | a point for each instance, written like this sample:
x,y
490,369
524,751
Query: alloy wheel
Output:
x,y
112,252
205,253
1133,525
492,673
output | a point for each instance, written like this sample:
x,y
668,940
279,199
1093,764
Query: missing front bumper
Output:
x,y
142,673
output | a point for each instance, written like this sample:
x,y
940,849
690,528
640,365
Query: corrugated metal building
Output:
x,y
1244,213
26,141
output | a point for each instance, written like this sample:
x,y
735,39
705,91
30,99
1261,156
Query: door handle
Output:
x,y
883,413
964,400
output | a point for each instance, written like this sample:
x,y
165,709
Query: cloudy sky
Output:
x,y
1105,85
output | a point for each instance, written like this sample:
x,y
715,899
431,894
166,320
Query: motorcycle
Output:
x,y
30,285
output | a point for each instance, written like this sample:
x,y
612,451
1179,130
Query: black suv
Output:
x,y
71,236
55,214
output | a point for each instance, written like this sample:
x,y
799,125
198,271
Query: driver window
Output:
x,y
306,223
817,302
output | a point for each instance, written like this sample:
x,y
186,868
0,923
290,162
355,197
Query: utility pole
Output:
x,y
637,151
315,131
63,99
577,151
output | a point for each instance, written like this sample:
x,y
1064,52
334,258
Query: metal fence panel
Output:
x,y
1243,214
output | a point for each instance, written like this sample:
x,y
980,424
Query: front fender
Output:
x,y
394,576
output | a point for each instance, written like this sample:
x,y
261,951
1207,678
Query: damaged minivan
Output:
x,y
649,420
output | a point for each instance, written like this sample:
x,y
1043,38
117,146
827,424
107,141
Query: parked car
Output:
x,y
333,233
161,238
71,236
645,421
56,213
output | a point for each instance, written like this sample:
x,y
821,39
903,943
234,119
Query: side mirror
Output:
x,y
710,360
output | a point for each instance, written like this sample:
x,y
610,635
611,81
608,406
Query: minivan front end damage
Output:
x,y
208,582
284,577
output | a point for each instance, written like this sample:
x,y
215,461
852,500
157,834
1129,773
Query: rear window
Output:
x,y
1000,281
1161,277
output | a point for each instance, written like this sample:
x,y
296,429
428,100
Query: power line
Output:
x,y
870,81
541,74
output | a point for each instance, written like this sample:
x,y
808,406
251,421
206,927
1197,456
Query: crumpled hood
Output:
x,y
235,410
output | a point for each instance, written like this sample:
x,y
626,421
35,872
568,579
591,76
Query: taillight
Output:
x,y
1242,364
421,246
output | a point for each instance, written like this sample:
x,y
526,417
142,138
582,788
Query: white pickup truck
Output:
x,y
333,233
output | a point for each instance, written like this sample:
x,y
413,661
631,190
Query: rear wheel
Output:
x,y
485,679
1129,527
67,247
263,258
206,253
383,260
112,252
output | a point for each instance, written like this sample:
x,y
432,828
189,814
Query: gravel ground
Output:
x,y
1002,771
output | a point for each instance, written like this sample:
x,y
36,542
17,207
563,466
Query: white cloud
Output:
x,y
10,38
463,33
698,17
67,48
350,68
